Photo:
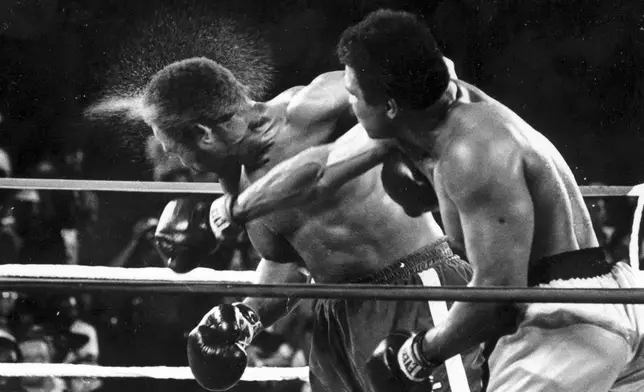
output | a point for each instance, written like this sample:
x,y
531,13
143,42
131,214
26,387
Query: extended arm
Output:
x,y
310,175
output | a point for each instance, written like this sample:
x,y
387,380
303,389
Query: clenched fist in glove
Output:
x,y
222,222
408,186
397,365
216,347
190,230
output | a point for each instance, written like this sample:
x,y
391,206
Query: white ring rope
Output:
x,y
121,275
114,186
156,372
215,188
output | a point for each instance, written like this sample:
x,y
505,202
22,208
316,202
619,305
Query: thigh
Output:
x,y
579,357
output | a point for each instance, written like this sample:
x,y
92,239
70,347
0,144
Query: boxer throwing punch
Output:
x,y
509,199
200,112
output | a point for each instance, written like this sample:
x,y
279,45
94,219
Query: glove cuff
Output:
x,y
230,202
220,216
412,362
249,321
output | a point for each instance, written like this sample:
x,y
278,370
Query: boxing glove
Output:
x,y
222,222
216,347
183,236
396,365
407,186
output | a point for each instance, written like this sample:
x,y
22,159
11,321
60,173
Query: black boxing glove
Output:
x,y
397,365
407,186
183,236
216,347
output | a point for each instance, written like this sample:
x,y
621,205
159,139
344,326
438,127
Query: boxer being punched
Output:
x,y
201,113
508,197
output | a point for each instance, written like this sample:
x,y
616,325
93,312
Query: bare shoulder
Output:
x,y
479,153
320,100
285,97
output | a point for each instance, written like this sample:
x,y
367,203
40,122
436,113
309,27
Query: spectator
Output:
x,y
39,218
9,240
9,353
85,209
87,353
36,347
8,301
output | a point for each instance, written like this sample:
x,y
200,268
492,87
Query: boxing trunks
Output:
x,y
346,332
569,346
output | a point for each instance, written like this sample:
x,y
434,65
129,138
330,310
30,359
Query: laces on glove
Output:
x,y
414,365
221,218
249,322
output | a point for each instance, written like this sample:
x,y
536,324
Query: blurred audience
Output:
x,y
612,219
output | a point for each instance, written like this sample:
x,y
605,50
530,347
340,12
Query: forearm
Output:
x,y
126,254
310,175
270,310
468,325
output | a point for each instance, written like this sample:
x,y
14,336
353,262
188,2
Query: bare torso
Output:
x,y
356,232
561,220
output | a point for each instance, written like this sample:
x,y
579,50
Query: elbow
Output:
x,y
505,314
324,189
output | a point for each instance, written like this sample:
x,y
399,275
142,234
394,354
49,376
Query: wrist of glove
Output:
x,y
221,219
236,323
414,365
249,323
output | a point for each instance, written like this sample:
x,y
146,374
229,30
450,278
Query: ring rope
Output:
x,y
38,280
114,186
215,188
123,275
156,372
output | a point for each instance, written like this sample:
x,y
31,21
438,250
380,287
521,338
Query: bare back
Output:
x,y
510,154
356,232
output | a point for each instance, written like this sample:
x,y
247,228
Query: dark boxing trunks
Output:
x,y
346,332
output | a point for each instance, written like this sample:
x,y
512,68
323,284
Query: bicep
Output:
x,y
280,262
497,222
271,245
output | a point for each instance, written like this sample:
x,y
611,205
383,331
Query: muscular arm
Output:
x,y
270,310
312,174
324,99
497,219
280,264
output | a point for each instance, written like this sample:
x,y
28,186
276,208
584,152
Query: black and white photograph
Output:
x,y
321,195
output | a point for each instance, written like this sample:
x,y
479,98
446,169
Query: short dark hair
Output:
x,y
394,55
192,89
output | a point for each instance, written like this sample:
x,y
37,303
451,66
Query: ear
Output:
x,y
204,135
391,108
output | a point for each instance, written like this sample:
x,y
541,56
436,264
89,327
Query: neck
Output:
x,y
422,134
252,148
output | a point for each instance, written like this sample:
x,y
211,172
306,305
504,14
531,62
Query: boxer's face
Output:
x,y
189,150
208,147
372,117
